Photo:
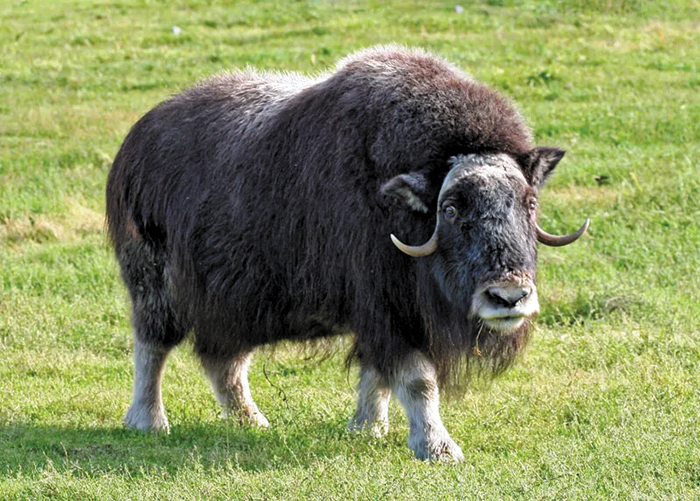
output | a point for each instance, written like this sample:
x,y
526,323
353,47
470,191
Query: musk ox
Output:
x,y
257,207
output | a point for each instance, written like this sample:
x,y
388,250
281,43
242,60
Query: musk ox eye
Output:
x,y
449,211
533,204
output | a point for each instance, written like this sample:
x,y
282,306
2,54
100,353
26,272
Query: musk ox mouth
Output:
x,y
505,305
504,324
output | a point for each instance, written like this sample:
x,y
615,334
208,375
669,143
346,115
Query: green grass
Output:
x,y
605,403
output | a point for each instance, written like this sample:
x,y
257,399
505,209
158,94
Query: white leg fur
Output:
x,y
230,383
146,412
415,385
372,412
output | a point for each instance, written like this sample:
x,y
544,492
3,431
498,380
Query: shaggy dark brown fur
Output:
x,y
249,209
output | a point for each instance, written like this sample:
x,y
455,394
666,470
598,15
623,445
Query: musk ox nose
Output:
x,y
508,296
505,305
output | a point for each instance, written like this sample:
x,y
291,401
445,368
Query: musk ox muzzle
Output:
x,y
504,305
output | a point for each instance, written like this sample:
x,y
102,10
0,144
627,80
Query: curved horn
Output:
x,y
419,251
431,245
559,241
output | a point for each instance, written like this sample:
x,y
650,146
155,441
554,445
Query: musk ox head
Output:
x,y
477,272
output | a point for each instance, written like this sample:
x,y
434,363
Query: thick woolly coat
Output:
x,y
249,209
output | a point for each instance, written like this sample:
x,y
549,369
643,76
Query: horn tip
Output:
x,y
585,226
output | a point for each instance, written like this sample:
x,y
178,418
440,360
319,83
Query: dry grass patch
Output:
x,y
595,196
78,222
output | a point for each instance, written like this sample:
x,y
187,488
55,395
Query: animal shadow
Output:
x,y
217,446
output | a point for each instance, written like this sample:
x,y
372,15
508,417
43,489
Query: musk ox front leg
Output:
x,y
229,378
372,412
415,385
146,412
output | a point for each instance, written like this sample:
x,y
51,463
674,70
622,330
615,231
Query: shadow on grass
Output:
x,y
217,446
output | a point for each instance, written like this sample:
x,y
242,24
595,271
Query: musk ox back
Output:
x,y
257,207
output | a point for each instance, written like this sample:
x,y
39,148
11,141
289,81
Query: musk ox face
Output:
x,y
488,242
483,251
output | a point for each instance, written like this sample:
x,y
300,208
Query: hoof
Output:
x,y
247,418
258,419
376,429
437,449
139,418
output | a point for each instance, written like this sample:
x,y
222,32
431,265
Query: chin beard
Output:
x,y
460,345
463,347
496,350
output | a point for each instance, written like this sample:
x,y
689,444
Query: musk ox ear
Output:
x,y
542,161
411,189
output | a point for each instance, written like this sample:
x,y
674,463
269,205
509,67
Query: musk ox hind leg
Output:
x,y
229,378
372,412
156,330
415,385
146,412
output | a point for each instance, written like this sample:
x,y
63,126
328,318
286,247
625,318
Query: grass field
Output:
x,y
606,401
